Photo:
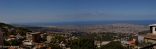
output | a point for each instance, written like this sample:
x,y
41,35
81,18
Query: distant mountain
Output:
x,y
3,29
9,29
22,25
2,25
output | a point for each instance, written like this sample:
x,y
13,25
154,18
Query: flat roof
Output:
x,y
152,25
35,33
150,36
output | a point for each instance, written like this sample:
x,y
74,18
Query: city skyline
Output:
x,y
30,11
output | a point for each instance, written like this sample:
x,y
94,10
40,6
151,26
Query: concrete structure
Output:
x,y
151,37
153,28
140,38
27,43
100,43
49,38
36,37
1,38
28,36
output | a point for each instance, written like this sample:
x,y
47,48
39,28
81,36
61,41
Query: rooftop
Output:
x,y
152,25
151,36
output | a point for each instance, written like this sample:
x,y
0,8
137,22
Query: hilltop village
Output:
x,y
56,38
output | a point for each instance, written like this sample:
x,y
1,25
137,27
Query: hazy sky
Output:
x,y
28,11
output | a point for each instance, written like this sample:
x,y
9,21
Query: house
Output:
x,y
27,43
100,43
151,37
49,38
1,37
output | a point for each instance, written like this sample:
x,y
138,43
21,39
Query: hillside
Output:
x,y
9,29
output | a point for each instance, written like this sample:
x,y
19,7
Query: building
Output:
x,y
100,43
28,36
1,38
27,43
36,37
151,37
49,38
11,37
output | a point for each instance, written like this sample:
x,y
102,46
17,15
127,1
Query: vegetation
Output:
x,y
144,32
82,43
105,36
11,30
83,40
57,39
12,43
55,46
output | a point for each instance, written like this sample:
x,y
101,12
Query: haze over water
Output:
x,y
77,11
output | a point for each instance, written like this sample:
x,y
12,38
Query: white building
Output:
x,y
28,42
49,38
151,37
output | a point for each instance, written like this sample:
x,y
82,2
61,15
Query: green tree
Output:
x,y
82,43
12,42
57,39
54,46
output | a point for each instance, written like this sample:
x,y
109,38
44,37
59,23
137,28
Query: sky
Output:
x,y
31,11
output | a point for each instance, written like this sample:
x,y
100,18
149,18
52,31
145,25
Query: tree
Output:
x,y
55,46
12,42
57,39
82,43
